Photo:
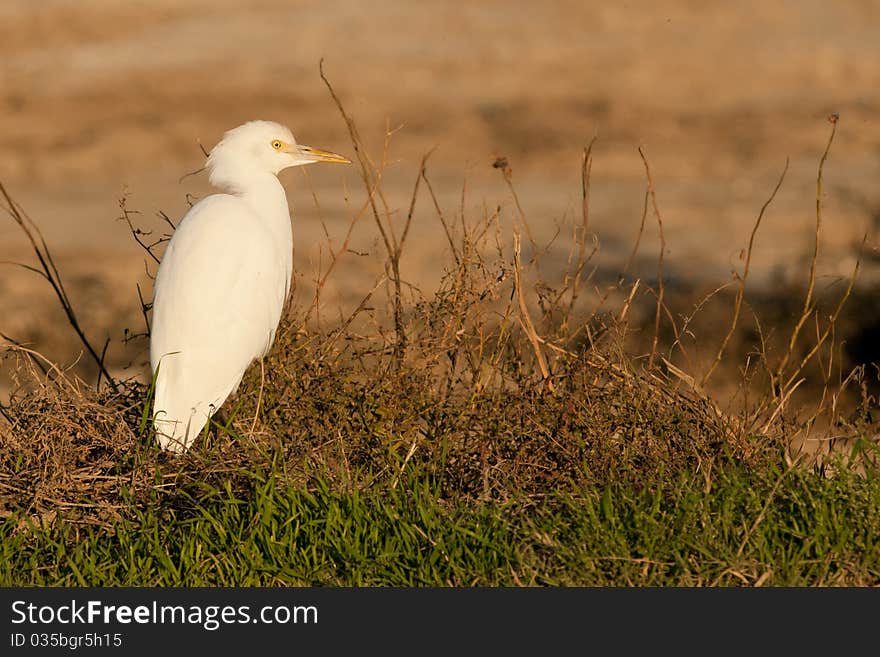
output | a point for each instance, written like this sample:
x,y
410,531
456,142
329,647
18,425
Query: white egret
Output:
x,y
223,279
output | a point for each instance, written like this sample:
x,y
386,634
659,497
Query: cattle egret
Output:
x,y
224,279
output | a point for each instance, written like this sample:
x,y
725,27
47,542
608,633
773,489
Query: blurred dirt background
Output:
x,y
104,99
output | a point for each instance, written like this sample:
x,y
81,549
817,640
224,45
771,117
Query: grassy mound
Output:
x,y
511,427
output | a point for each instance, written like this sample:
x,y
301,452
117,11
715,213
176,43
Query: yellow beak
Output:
x,y
317,155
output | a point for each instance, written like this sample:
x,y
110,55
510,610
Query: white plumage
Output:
x,y
223,280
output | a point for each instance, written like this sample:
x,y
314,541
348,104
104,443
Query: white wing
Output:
x,y
217,299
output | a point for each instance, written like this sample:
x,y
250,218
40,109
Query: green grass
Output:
x,y
779,527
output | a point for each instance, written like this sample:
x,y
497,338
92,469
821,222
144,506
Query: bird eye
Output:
x,y
277,145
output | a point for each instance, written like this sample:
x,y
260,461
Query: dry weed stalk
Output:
x,y
525,318
783,382
503,166
808,299
573,281
371,177
660,288
737,304
50,272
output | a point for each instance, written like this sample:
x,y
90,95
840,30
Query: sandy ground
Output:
x,y
102,99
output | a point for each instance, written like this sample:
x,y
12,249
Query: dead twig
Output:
x,y
737,304
51,274
371,182
660,289
808,299
525,318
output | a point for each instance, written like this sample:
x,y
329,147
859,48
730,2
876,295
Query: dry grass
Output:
x,y
500,385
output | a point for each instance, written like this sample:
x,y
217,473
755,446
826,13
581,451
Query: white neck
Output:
x,y
264,193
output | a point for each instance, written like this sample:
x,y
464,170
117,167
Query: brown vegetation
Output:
x,y
503,382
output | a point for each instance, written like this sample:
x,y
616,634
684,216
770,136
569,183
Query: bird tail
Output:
x,y
175,435
177,422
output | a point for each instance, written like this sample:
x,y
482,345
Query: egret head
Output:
x,y
259,147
